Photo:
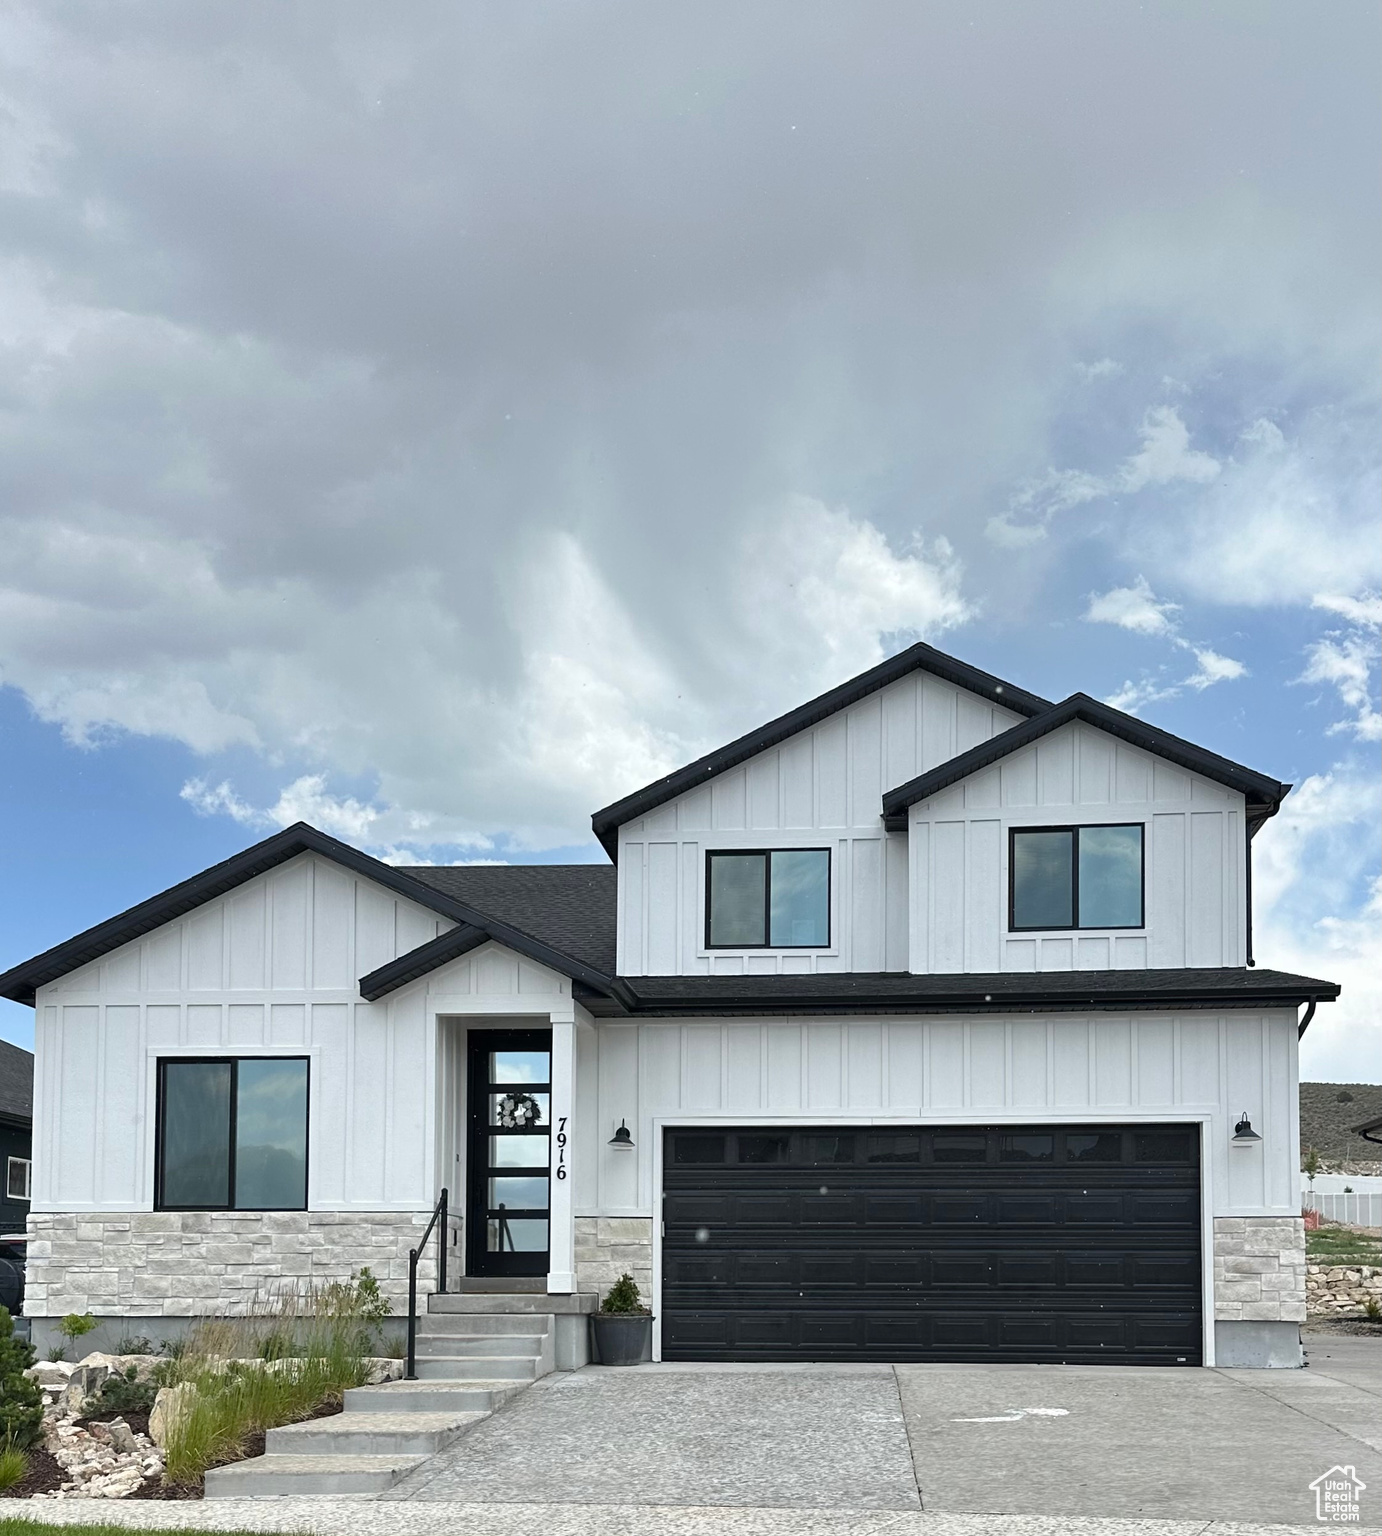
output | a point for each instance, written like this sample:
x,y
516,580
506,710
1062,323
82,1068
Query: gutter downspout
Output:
x,y
1309,1014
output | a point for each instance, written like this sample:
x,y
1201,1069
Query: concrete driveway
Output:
x,y
1043,1441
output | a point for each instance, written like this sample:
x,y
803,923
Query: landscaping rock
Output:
x,y
122,1437
51,1375
102,1461
84,1383
170,1404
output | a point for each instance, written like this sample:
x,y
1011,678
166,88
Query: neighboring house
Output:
x,y
16,1131
928,1010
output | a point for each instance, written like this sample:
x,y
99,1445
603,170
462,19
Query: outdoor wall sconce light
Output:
x,y
1243,1133
623,1137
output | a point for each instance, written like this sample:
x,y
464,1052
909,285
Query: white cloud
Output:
x,y
1318,912
1105,368
1358,610
1164,457
594,701
1213,668
1287,518
1346,660
1136,608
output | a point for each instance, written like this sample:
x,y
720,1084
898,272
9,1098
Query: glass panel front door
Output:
x,y
510,1103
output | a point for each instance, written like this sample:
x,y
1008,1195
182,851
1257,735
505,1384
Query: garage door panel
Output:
x,y
1015,1271
972,1243
1103,1271
959,1210
1176,1270
1033,1210
1094,1210
893,1271
1169,1209
817,1269
964,1269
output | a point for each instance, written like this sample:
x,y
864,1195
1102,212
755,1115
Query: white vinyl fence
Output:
x,y
1359,1210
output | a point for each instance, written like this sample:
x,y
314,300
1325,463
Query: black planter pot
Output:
x,y
621,1338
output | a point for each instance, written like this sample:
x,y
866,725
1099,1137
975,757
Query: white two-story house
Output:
x,y
919,1024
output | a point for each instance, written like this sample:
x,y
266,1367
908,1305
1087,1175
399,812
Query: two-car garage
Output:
x,y
1073,1244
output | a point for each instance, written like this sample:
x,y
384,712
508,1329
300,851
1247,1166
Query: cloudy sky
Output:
x,y
434,421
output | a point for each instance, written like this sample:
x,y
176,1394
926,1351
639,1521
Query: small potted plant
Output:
x,y
623,1327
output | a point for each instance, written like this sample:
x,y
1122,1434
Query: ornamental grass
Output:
x,y
293,1353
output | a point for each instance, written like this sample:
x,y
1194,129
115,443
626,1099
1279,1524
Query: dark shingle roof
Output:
x,y
20,983
1001,992
569,906
16,1082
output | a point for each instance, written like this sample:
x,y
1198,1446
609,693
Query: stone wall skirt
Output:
x,y
211,1263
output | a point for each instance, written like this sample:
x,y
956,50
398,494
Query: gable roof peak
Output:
x,y
916,658
1262,794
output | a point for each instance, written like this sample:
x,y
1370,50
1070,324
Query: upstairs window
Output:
x,y
1076,877
232,1134
775,899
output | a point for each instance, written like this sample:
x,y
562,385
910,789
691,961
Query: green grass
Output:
x,y
13,1466
42,1528
1330,1242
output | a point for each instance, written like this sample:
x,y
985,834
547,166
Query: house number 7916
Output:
x,y
561,1147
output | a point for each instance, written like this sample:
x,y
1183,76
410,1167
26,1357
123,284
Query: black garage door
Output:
x,y
1074,1244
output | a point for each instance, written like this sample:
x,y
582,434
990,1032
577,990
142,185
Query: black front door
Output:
x,y
510,1110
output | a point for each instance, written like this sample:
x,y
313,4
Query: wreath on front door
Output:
x,y
517,1111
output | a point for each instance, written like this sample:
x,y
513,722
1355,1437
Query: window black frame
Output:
x,y
234,1063
28,1165
1077,926
766,854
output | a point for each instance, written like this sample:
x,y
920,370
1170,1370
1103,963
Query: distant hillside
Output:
x,y
1324,1121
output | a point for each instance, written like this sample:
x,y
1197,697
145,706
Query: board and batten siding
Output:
x,y
270,968
1194,846
1025,1069
820,788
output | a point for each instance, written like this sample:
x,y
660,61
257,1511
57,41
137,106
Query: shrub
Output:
x,y
76,1325
14,1466
1372,1309
135,1344
56,1352
123,1392
623,1297
21,1402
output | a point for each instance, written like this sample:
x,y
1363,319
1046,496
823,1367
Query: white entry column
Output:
x,y
561,1275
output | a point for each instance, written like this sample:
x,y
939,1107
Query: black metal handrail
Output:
x,y
438,1215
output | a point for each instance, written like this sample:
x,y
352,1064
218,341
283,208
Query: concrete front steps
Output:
x,y
468,1364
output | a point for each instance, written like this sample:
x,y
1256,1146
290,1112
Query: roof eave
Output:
x,y
1290,993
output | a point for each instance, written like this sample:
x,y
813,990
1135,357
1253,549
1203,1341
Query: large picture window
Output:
x,y
232,1134
768,899
1075,877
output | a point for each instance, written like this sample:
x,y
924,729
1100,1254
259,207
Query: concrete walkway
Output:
x,y
347,1517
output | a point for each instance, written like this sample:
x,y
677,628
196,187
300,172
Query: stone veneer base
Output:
x,y
610,1246
1259,1269
156,1264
